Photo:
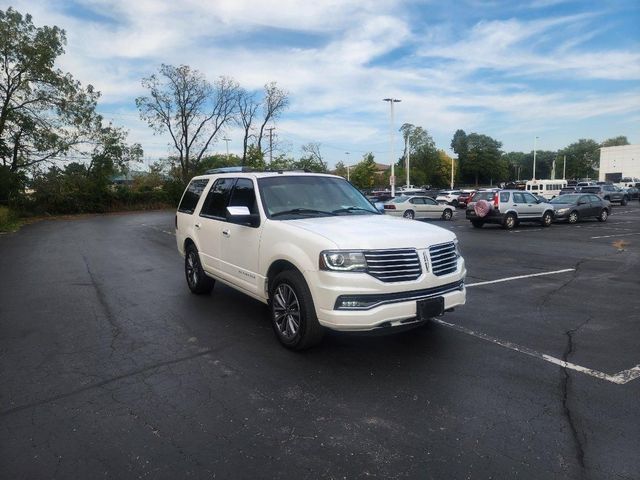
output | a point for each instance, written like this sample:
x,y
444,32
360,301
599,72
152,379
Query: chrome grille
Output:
x,y
444,258
393,265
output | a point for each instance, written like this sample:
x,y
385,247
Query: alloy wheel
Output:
x,y
286,311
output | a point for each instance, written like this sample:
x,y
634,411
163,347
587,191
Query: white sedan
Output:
x,y
416,206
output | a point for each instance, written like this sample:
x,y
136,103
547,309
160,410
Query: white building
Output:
x,y
617,162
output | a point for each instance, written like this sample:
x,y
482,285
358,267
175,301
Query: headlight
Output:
x,y
343,261
562,210
456,244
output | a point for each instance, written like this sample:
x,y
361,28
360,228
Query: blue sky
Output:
x,y
559,70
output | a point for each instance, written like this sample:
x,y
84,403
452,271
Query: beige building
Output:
x,y
618,162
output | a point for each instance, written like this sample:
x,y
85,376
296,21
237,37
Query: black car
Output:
x,y
578,206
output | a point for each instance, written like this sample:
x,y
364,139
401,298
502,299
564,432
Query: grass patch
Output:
x,y
9,220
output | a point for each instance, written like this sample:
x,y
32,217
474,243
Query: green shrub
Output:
x,y
9,221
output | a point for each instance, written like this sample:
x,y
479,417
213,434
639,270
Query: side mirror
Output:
x,y
379,206
242,216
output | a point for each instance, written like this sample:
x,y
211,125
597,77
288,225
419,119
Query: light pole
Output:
x,y
227,140
393,170
535,145
348,173
452,164
407,148
564,168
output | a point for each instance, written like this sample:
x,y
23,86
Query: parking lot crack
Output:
x,y
565,385
115,328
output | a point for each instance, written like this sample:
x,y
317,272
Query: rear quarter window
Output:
x,y
192,195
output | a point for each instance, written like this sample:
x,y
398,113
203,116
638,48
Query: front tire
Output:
x,y
604,214
447,214
477,223
197,280
409,214
573,217
624,201
293,314
547,219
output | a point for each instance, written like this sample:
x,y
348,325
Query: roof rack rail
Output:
x,y
236,169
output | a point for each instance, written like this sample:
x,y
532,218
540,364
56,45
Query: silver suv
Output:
x,y
508,208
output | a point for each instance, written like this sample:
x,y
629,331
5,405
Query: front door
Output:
x,y
211,222
240,244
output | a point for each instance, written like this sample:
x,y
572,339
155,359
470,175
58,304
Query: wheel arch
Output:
x,y
279,266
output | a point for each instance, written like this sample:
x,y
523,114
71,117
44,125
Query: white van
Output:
x,y
546,188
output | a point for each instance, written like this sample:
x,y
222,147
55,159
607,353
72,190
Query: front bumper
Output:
x,y
394,304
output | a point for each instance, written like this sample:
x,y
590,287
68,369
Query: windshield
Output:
x,y
287,197
400,199
570,198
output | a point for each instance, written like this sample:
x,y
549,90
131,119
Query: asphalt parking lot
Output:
x,y
109,367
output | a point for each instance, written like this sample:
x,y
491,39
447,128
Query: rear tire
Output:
x,y
477,223
624,201
409,214
547,219
293,314
197,281
509,221
447,214
604,214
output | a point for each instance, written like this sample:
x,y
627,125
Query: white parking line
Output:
x,y
620,378
519,277
618,235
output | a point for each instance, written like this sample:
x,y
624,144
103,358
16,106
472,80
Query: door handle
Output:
x,y
197,225
226,233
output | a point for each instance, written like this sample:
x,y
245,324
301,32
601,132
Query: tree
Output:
x,y
193,111
44,112
312,161
582,158
481,158
341,169
363,174
615,141
423,155
247,109
274,103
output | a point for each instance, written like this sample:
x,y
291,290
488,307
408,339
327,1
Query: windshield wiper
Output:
x,y
302,211
352,209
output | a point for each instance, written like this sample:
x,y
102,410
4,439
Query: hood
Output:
x,y
374,231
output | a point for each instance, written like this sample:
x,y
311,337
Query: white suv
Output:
x,y
313,248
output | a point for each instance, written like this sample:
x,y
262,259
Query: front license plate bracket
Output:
x,y
429,308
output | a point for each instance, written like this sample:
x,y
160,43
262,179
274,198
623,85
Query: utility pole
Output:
x,y
271,129
227,140
564,168
452,165
391,153
535,145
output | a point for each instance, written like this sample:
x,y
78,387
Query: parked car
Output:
x,y
578,206
449,196
633,193
607,192
418,206
508,208
317,252
567,190
465,197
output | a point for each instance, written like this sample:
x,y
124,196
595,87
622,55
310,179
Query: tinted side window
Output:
x,y
518,198
594,198
192,195
504,196
244,195
429,201
529,198
215,204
